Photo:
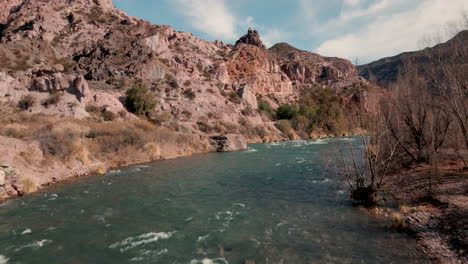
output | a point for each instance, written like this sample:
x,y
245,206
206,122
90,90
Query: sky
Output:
x,y
358,30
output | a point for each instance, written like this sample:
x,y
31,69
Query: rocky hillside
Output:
x,y
93,53
70,67
437,67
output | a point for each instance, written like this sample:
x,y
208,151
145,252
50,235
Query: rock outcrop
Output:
x,y
307,68
227,143
248,64
251,38
246,93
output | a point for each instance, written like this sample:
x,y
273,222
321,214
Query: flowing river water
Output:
x,y
275,203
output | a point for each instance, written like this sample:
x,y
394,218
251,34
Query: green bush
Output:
x,y
286,111
140,100
308,111
265,107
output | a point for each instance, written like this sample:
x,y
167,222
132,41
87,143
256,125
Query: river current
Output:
x,y
275,203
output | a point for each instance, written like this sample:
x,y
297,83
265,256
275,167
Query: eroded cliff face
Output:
x,y
307,68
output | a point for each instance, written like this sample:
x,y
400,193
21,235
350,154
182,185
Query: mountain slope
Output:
x,y
428,64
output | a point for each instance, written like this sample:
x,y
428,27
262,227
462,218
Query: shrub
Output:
x,y
109,116
29,185
301,123
122,113
286,111
27,102
100,169
247,111
92,109
53,99
190,94
284,126
140,100
265,106
234,97
260,131
152,149
80,152
204,127
308,112
187,83
173,83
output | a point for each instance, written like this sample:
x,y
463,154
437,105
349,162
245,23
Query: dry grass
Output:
x,y
153,150
66,141
29,185
100,169
80,152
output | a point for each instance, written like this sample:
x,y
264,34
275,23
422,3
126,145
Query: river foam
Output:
x,y
132,242
35,244
27,231
209,261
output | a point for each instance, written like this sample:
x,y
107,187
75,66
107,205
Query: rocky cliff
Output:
x,y
435,67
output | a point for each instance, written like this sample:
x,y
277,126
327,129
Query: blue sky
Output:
x,y
362,30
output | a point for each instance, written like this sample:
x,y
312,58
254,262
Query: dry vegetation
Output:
x,y
417,151
90,142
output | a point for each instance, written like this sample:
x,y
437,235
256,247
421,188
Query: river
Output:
x,y
275,203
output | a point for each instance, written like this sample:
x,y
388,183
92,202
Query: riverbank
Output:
x,y
39,151
439,221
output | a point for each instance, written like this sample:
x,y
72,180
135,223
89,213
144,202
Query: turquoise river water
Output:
x,y
275,203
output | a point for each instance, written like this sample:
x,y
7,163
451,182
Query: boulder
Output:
x,y
248,96
227,143
80,87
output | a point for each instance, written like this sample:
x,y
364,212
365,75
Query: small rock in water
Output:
x,y
249,262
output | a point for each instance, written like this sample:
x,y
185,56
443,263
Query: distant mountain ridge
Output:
x,y
425,63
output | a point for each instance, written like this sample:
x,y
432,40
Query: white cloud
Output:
x,y
389,33
216,19
273,36
352,2
212,17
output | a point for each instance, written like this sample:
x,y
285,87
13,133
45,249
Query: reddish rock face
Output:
x,y
251,38
304,67
248,64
